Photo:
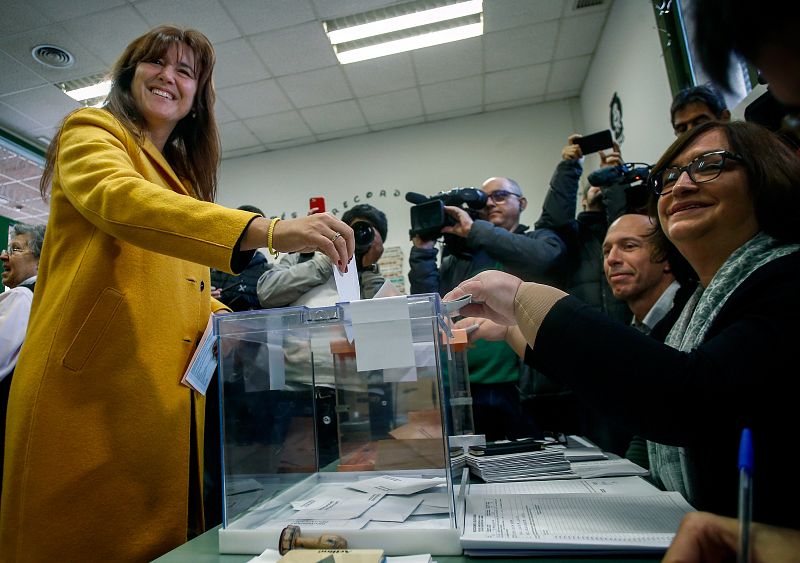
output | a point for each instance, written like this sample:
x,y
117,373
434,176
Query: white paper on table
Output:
x,y
326,524
382,333
614,486
203,363
579,521
607,468
393,509
422,558
347,283
340,508
269,556
395,485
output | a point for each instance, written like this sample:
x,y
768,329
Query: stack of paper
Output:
x,y
523,466
571,523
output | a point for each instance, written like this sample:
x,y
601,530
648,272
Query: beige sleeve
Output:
x,y
531,305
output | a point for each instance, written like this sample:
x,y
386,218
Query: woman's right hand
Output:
x,y
320,231
493,294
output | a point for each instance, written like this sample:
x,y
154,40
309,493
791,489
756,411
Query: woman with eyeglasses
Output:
x,y
726,195
103,444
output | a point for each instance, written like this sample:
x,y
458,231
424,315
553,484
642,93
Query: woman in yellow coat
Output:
x,y
103,441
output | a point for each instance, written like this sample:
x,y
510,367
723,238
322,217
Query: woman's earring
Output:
x,y
194,114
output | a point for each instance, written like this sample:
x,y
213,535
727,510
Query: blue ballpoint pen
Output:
x,y
745,495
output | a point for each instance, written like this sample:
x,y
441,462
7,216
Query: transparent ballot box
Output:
x,y
336,419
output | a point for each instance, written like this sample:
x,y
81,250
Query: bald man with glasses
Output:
x,y
494,241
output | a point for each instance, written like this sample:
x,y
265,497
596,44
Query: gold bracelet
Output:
x,y
272,251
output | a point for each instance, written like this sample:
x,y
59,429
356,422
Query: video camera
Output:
x,y
632,175
428,215
627,173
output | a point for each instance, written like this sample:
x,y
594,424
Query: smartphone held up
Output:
x,y
595,142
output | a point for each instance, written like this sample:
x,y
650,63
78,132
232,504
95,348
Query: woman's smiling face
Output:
x,y
722,207
164,89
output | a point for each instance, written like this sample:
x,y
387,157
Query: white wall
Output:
x,y
522,143
628,61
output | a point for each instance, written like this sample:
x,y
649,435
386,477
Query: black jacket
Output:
x,y
743,375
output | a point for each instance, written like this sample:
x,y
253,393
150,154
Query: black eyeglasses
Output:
x,y
704,168
499,196
14,250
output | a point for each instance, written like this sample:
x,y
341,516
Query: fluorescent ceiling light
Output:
x,y
408,21
410,43
403,27
99,90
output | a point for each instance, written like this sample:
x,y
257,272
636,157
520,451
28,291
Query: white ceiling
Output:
x,y
278,81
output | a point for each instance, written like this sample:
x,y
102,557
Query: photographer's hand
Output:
x,y
464,221
613,158
572,151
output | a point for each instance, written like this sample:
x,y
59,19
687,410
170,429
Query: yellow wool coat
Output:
x,y
97,460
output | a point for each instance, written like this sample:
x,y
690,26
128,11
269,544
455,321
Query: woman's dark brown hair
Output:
x,y
772,170
193,146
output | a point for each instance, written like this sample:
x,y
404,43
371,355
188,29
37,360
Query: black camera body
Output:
x,y
634,176
428,215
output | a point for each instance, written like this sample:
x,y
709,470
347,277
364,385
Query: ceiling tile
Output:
x,y
517,83
47,104
15,121
19,17
392,106
458,59
58,10
107,33
291,143
19,46
296,49
206,16
568,74
222,113
339,133
339,8
579,35
455,94
562,95
515,103
449,114
316,87
571,11
504,14
378,76
16,77
520,46
333,117
251,100
257,16
235,135
278,127
237,63
242,152
396,124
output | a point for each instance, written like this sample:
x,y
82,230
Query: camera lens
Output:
x,y
364,236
